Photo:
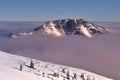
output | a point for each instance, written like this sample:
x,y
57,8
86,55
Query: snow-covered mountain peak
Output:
x,y
66,27
49,28
14,67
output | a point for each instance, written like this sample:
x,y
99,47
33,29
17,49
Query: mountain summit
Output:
x,y
66,27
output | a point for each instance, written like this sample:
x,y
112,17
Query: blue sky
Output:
x,y
42,10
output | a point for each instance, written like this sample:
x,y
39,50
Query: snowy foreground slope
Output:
x,y
10,66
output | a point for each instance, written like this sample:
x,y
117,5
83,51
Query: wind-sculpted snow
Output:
x,y
18,68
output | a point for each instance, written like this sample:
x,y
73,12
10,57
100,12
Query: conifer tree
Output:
x,y
68,75
21,67
31,64
75,75
63,70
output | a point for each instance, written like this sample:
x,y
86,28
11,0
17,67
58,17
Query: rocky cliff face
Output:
x,y
66,27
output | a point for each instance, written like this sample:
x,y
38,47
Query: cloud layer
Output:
x,y
99,55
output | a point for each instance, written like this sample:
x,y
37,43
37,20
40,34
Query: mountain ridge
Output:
x,y
66,27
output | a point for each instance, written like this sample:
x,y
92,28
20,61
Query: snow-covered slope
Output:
x,y
14,67
66,27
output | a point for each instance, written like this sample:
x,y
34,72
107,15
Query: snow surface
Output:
x,y
51,30
10,70
16,35
85,31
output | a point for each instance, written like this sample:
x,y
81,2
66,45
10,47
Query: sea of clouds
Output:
x,y
100,54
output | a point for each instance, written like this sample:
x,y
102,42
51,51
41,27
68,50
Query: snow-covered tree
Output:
x,y
31,64
21,67
43,74
63,70
68,75
75,76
